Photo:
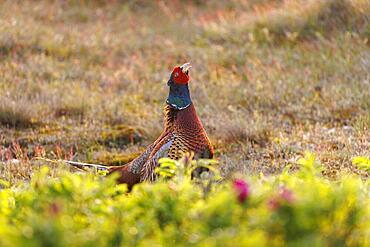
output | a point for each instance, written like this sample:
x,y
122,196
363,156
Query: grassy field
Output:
x,y
270,79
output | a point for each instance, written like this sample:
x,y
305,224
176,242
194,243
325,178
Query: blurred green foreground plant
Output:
x,y
296,209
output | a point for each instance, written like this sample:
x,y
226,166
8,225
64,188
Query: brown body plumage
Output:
x,y
183,132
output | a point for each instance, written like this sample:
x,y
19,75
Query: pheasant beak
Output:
x,y
185,68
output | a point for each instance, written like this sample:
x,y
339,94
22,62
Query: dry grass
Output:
x,y
16,113
270,79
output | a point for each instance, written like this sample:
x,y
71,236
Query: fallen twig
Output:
x,y
80,165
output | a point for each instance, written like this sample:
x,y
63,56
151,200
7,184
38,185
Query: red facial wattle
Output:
x,y
179,77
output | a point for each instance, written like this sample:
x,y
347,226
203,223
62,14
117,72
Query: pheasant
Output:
x,y
183,132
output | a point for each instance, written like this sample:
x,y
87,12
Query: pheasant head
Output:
x,y
179,96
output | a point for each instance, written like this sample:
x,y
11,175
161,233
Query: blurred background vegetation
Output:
x,y
270,79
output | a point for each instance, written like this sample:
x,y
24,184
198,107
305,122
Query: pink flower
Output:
x,y
274,203
242,189
54,209
285,196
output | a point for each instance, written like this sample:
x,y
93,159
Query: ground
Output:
x,y
86,80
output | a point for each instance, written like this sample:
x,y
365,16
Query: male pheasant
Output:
x,y
183,132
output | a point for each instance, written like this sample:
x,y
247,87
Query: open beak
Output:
x,y
185,68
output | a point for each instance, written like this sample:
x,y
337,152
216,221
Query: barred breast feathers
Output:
x,y
137,164
183,133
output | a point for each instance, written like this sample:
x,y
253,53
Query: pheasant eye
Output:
x,y
176,74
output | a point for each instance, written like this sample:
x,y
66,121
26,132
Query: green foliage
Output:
x,y
362,162
295,209
185,167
